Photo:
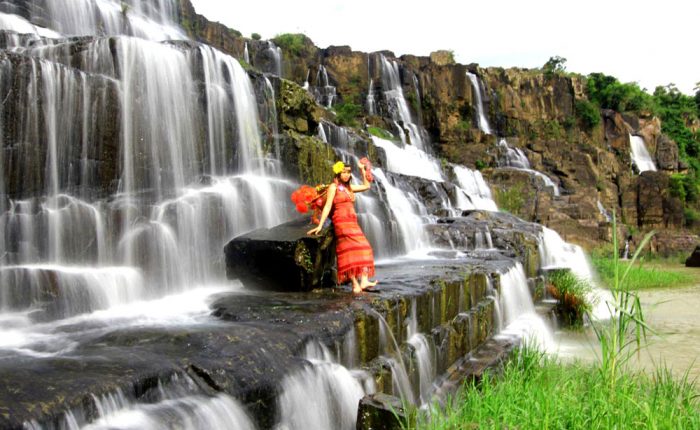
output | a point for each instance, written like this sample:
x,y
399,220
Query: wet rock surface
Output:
x,y
244,348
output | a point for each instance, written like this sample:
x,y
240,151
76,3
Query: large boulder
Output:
x,y
283,258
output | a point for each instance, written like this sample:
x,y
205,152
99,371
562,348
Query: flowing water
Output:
x,y
640,154
483,122
515,158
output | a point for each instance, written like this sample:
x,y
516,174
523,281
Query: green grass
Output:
x,y
644,276
536,392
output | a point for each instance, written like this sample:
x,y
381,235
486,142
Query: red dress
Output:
x,y
354,252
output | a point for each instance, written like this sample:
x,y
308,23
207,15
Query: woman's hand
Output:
x,y
314,231
361,167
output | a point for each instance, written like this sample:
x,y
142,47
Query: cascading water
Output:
x,y
177,404
132,161
153,20
483,121
473,193
518,311
276,54
603,211
555,253
516,159
371,104
398,108
409,160
640,155
323,394
407,214
323,91
424,353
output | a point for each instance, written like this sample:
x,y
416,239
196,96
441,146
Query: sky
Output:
x,y
649,42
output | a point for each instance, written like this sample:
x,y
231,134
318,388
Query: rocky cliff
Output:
x,y
536,113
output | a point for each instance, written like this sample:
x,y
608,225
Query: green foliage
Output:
x,y
512,199
255,36
347,113
608,93
676,110
463,125
691,217
569,122
684,186
551,129
413,101
480,165
294,43
554,66
573,295
380,133
588,114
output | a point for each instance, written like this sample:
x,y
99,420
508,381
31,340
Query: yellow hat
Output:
x,y
338,167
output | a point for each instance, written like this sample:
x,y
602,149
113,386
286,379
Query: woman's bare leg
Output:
x,y
366,283
355,285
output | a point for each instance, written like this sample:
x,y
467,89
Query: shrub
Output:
x,y
255,36
554,66
294,43
587,113
572,293
347,113
512,199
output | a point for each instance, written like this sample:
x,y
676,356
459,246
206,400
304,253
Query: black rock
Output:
x,y
694,259
283,258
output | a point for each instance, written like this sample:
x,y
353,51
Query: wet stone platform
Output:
x,y
252,340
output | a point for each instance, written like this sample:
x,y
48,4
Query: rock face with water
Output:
x,y
282,258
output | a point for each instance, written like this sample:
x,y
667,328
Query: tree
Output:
x,y
555,65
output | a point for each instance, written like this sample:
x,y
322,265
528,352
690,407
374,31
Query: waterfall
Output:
x,y
322,395
276,54
483,121
398,108
22,26
135,161
246,54
371,104
519,316
424,354
178,403
640,155
409,160
603,211
153,20
407,214
473,193
515,158
323,91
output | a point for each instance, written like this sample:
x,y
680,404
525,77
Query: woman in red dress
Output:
x,y
355,257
